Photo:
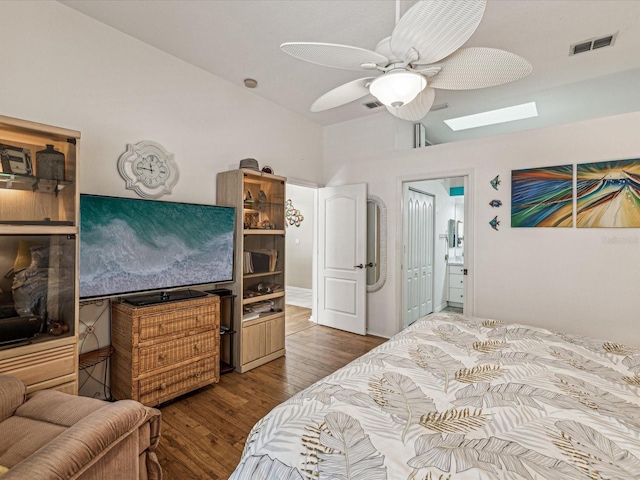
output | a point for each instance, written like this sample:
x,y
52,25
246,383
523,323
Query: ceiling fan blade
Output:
x,y
384,49
416,109
436,28
343,94
333,55
471,68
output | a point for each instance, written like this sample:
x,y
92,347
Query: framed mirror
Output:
x,y
451,234
376,243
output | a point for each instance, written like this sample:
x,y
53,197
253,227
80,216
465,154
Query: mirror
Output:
x,y
456,233
376,243
451,234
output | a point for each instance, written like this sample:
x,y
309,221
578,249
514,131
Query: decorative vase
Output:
x,y
50,164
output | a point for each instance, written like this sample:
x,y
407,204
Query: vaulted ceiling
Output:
x,y
238,39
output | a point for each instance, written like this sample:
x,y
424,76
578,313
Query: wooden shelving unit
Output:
x,y
259,200
39,243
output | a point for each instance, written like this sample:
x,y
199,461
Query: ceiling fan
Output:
x,y
423,53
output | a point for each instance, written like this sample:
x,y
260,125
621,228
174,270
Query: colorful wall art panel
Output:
x,y
608,194
542,197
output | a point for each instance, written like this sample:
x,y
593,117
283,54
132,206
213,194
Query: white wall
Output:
x,y
66,69
577,280
299,261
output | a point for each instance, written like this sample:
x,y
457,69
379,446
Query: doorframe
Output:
x,y
314,261
469,262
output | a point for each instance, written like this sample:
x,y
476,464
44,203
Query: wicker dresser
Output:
x,y
164,350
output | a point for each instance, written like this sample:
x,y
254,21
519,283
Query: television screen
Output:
x,y
131,245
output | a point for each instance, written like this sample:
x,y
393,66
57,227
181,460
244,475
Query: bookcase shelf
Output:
x,y
259,200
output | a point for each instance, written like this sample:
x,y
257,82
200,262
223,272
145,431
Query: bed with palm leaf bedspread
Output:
x,y
459,398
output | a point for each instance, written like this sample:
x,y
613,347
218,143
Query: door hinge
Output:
x,y
464,271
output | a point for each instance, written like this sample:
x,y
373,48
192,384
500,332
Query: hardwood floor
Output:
x,y
296,319
203,433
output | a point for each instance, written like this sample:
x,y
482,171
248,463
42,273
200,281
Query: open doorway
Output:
x,y
300,248
434,256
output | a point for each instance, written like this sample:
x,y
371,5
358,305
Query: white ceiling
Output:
x,y
238,39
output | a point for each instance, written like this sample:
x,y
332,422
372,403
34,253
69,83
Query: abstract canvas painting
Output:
x,y
542,197
608,194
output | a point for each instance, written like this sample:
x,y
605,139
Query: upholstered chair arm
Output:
x,y
12,395
78,448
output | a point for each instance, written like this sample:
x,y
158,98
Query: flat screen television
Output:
x,y
133,245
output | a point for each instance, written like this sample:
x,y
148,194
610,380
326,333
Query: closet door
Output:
x,y
418,255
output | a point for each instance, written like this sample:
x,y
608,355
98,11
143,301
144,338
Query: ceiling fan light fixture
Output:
x,y
398,87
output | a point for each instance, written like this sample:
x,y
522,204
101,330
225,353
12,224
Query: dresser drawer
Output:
x,y
186,320
456,281
43,369
165,386
169,353
456,295
456,270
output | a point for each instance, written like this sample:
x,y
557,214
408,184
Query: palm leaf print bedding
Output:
x,y
461,398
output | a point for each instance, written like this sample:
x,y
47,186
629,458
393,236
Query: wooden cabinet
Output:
x,y
165,350
259,199
38,254
456,285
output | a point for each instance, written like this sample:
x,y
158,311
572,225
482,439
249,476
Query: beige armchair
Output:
x,y
53,435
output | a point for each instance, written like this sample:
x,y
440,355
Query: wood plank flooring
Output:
x,y
296,319
203,433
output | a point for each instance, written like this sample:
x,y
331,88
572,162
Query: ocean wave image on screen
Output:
x,y
139,245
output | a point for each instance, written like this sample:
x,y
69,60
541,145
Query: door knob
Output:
x,y
360,265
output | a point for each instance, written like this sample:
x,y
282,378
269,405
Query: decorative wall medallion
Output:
x,y
148,169
293,215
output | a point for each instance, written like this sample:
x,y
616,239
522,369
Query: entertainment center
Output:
x,y
38,254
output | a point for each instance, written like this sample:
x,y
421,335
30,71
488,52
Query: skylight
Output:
x,y
492,117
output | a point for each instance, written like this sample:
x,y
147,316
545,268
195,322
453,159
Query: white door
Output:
x,y
342,250
418,255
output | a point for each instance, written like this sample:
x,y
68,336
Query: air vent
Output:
x,y
592,44
372,105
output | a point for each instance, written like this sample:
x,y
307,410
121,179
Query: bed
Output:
x,y
456,397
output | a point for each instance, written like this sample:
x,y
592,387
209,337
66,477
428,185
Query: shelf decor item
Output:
x,y
50,164
250,163
15,160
